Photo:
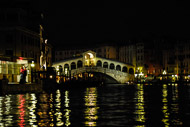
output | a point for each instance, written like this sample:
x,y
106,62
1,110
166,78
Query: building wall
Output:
x,y
109,52
176,58
17,40
140,55
127,54
182,58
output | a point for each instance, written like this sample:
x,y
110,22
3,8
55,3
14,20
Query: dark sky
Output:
x,y
81,23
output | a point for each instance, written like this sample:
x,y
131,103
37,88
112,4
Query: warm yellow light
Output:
x,y
164,72
32,65
80,75
91,75
57,68
91,55
140,69
66,71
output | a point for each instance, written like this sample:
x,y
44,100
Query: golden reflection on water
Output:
x,y
18,110
165,111
67,110
58,112
1,111
139,106
91,107
43,116
8,118
51,112
175,106
32,110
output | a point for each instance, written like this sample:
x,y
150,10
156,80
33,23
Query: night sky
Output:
x,y
81,23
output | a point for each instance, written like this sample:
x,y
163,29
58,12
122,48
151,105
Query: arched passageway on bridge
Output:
x,y
66,69
105,65
99,63
66,66
60,69
73,65
124,69
131,71
79,64
112,66
118,68
89,59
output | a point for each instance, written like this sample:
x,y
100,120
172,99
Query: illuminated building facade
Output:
x,y
20,42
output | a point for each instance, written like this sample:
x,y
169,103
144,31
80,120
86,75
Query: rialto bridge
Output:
x,y
90,63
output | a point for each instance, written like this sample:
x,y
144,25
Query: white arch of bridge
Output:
x,y
79,62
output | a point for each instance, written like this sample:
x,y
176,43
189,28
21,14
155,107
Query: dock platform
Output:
x,y
13,87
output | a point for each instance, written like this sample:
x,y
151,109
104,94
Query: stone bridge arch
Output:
x,y
105,65
112,66
99,63
118,68
121,71
79,64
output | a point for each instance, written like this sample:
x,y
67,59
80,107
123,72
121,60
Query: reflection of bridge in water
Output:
x,y
89,64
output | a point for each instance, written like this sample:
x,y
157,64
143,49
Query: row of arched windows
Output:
x,y
99,64
117,67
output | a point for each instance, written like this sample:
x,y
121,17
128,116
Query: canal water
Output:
x,y
112,105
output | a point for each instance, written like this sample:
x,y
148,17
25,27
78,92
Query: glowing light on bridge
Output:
x,y
91,55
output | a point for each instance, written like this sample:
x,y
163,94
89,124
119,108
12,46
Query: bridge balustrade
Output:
x,y
112,72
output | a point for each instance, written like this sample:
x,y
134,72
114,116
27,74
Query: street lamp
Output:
x,y
164,72
32,67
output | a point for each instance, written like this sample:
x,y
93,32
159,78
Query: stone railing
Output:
x,y
117,75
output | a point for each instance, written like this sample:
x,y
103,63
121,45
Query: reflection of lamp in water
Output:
x,y
51,110
140,104
175,106
43,110
32,109
58,109
9,120
165,120
1,110
91,107
32,70
67,111
21,111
